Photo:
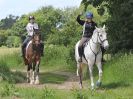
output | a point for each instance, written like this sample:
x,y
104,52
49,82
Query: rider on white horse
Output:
x,y
88,28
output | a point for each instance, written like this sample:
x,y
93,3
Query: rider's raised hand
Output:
x,y
81,13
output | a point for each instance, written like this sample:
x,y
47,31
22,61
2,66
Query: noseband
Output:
x,y
102,41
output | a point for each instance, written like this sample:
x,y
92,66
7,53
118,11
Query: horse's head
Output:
x,y
102,37
36,37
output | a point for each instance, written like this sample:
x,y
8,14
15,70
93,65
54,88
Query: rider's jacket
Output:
x,y
30,28
88,27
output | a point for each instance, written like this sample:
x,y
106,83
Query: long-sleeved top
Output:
x,y
88,27
30,28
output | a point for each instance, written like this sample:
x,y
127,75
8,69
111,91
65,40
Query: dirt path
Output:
x,y
70,83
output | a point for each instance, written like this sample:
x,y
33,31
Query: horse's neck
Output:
x,y
29,45
94,43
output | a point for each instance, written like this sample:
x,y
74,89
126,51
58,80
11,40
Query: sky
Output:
x,y
19,7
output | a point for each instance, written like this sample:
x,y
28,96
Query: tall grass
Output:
x,y
54,57
117,84
11,56
119,69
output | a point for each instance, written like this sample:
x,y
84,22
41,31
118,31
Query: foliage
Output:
x,y
119,24
8,22
5,73
13,41
48,93
3,37
8,90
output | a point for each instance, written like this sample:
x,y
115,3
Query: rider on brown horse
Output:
x,y
30,29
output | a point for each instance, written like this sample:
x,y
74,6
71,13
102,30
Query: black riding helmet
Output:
x,y
31,17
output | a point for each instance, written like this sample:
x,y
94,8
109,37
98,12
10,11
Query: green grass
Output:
x,y
47,93
54,58
52,78
119,70
117,79
11,56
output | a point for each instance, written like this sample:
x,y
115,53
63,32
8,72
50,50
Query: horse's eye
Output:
x,y
100,35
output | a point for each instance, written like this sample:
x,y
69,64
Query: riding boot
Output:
x,y
80,50
42,47
23,52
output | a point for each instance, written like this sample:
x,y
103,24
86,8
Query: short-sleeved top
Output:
x,y
88,27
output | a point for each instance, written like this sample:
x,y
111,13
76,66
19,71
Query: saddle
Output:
x,y
84,44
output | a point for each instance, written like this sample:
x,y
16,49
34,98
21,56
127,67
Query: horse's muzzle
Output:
x,y
106,45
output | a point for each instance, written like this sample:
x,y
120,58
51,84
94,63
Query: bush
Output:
x,y
55,55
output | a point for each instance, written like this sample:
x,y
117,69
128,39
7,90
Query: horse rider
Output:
x,y
30,30
88,28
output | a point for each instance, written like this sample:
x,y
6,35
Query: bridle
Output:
x,y
98,37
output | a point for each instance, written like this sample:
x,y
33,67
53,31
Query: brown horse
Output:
x,y
32,58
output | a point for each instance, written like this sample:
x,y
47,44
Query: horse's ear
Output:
x,y
104,26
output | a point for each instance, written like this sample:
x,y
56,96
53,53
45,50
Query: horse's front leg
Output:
x,y
28,73
37,72
99,82
32,73
91,74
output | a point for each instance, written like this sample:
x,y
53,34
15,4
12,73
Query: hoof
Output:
x,y
28,80
37,82
31,82
80,85
92,88
98,84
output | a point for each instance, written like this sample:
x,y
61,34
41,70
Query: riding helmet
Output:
x,y
31,17
89,15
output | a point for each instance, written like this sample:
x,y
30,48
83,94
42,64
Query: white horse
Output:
x,y
92,54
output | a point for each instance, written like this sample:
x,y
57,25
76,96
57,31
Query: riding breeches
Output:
x,y
80,47
28,38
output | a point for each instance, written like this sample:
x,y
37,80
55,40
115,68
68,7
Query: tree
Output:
x,y
3,37
119,24
8,22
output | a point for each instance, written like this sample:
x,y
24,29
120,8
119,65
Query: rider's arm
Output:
x,y
36,26
81,22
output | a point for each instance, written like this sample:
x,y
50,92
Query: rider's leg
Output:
x,y
24,45
80,48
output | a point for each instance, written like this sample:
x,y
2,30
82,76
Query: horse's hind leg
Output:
x,y
37,72
99,65
79,73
